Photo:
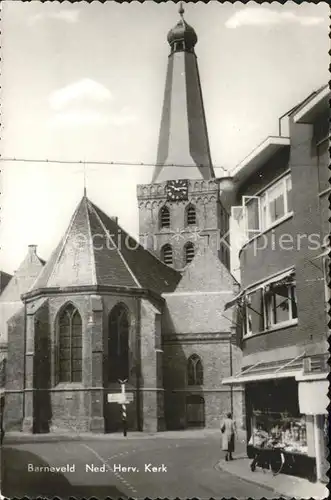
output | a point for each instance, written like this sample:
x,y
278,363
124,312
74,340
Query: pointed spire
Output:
x,y
85,191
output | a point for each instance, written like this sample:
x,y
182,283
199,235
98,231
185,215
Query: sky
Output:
x,y
85,82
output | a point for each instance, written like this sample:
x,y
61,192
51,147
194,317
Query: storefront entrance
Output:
x,y
274,421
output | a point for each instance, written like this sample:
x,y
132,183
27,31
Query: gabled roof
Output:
x,y
95,250
24,277
206,273
4,280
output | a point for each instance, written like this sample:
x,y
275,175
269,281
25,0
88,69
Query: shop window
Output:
x,y
279,430
70,345
194,370
166,254
190,216
165,217
259,212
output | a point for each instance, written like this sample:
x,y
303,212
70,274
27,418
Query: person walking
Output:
x,y
228,430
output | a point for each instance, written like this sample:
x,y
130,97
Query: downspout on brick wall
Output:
x,y
138,364
24,364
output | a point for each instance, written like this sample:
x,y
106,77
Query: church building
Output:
x,y
105,307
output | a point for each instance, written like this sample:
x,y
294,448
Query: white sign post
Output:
x,y
124,421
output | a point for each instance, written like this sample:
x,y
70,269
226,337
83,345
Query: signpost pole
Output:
x,y
124,420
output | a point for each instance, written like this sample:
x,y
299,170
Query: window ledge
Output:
x,y
279,326
269,228
69,385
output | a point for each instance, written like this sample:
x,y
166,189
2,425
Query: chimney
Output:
x,y
115,219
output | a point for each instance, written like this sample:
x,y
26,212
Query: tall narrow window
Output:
x,y
165,217
70,345
118,344
191,216
194,370
189,252
166,254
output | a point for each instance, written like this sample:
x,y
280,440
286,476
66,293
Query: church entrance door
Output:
x,y
195,411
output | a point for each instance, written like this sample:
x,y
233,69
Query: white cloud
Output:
x,y
69,16
83,90
262,16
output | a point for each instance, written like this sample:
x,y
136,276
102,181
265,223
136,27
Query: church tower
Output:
x,y
180,210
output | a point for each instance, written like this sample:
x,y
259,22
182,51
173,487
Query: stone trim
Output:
x,y
188,390
195,337
95,290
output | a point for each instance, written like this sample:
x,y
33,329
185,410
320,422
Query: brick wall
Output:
x,y
268,253
13,415
203,195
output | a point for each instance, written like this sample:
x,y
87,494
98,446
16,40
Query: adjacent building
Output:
x,y
280,199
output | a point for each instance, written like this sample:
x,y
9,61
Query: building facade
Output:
x,y
280,200
106,308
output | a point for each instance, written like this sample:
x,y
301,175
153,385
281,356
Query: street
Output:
x,y
132,467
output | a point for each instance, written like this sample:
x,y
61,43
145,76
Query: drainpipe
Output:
x,y
138,364
24,363
318,450
231,371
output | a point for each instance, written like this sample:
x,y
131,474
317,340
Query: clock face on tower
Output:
x,y
177,190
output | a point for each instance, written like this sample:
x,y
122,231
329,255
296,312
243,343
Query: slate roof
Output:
x,y
4,280
95,250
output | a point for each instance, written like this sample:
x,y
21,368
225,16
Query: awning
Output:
x,y
262,371
284,278
233,301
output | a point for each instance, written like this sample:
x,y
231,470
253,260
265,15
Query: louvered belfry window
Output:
x,y
70,345
189,252
191,216
166,254
165,217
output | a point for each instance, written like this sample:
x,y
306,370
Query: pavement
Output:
x,y
283,484
172,464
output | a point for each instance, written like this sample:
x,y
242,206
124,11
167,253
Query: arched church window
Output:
x,y
189,252
165,217
166,254
194,370
191,216
70,345
118,344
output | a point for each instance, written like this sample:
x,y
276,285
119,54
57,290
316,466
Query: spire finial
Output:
x,y
84,179
181,9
